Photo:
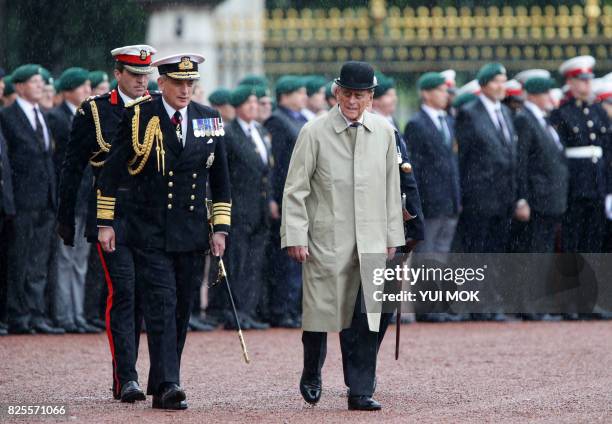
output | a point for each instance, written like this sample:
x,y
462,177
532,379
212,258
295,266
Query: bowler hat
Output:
x,y
357,76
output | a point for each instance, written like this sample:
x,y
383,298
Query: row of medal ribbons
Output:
x,y
209,127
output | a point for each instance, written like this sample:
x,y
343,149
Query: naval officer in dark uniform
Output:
x,y
93,131
169,147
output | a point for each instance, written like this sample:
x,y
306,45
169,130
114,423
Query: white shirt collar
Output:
x,y
170,111
490,105
26,106
539,113
349,122
126,99
434,114
70,106
246,127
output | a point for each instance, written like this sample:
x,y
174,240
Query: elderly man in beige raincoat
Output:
x,y
342,217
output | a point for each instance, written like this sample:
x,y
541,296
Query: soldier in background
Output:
x,y
315,90
220,100
99,82
285,277
584,129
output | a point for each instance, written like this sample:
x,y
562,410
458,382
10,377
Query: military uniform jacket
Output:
x,y
542,167
249,177
167,207
60,123
585,124
93,130
7,202
33,174
414,228
436,167
487,163
284,130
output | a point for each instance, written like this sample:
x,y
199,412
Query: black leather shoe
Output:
x,y
20,330
98,323
73,329
3,326
44,328
89,329
131,392
197,325
171,397
285,322
310,388
3,332
255,325
363,403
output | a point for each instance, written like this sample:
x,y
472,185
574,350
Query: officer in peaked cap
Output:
x,y
584,129
170,147
93,130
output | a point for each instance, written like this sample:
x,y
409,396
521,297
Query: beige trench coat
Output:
x,y
342,200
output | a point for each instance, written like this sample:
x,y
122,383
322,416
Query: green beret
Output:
x,y
46,75
385,84
219,97
96,78
430,80
488,72
328,90
152,85
241,94
8,85
254,80
25,72
57,85
463,99
539,85
261,91
72,78
113,84
289,84
314,84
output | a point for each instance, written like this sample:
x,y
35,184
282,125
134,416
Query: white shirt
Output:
x,y
493,108
434,115
28,109
124,96
72,107
541,117
308,114
251,129
349,122
170,110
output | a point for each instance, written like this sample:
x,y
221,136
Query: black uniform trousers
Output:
x,y
169,281
96,290
359,348
28,258
284,279
124,312
583,226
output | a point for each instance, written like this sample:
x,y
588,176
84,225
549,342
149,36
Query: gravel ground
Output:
x,y
447,373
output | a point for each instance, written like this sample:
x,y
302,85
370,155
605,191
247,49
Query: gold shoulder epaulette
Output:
x,y
139,100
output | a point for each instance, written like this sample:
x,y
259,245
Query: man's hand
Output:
x,y
411,244
66,232
106,237
298,253
217,244
390,252
274,212
523,211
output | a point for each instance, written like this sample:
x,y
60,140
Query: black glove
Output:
x,y
66,232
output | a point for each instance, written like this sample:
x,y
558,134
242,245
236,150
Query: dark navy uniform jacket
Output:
x,y
167,202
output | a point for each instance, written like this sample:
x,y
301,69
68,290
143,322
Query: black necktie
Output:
x,y
502,126
176,121
444,130
40,133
